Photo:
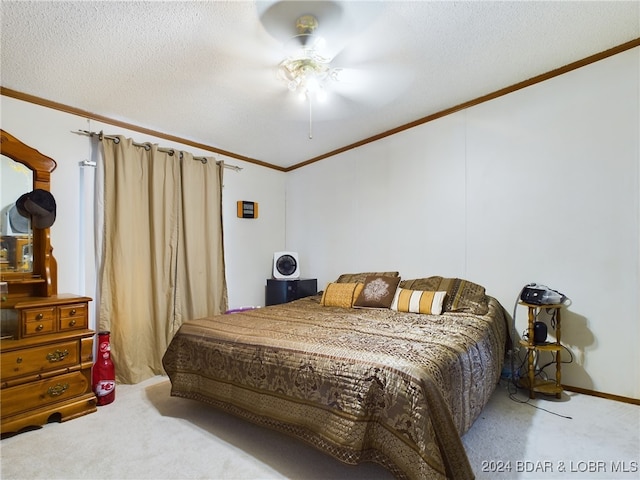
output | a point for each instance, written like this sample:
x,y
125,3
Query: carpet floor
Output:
x,y
147,434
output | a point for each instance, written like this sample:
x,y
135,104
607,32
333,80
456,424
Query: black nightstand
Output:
x,y
283,291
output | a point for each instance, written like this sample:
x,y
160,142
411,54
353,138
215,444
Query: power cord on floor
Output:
x,y
512,396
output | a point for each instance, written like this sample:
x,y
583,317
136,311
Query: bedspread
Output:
x,y
375,385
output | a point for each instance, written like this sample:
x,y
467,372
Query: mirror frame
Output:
x,y
42,281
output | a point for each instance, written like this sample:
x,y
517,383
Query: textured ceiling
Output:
x,y
205,71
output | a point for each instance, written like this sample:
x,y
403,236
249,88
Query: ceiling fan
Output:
x,y
323,54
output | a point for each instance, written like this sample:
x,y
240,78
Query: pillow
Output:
x,y
462,295
361,277
341,294
429,283
418,301
378,292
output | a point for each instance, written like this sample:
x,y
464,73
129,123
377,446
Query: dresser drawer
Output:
x,y
73,316
38,321
33,395
39,359
38,328
39,314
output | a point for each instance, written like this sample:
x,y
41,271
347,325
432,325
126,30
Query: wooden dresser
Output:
x,y
46,346
46,355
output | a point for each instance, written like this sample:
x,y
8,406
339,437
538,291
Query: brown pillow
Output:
x,y
462,295
341,294
378,292
361,277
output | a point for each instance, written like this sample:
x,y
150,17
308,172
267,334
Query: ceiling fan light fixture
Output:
x,y
306,70
307,66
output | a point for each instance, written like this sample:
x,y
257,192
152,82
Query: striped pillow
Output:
x,y
418,301
341,294
462,295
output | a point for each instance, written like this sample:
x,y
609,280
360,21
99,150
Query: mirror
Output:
x,y
16,240
28,267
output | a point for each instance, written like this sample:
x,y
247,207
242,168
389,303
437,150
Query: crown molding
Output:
x,y
429,118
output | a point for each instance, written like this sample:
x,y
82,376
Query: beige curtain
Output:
x,y
201,280
162,259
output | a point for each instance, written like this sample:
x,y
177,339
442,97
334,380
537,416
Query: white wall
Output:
x,y
249,244
539,185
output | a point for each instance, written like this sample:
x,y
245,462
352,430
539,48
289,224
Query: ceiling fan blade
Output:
x,y
373,85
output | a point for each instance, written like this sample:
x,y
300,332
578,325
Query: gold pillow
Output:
x,y
418,301
341,294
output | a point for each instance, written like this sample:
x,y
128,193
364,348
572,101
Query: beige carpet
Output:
x,y
146,434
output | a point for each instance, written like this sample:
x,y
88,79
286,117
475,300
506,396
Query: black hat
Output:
x,y
40,206
17,222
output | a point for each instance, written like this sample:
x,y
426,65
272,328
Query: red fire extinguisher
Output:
x,y
104,372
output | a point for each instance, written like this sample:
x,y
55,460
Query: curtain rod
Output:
x,y
170,151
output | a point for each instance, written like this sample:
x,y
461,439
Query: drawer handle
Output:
x,y
72,312
57,356
72,323
19,360
39,327
39,316
57,390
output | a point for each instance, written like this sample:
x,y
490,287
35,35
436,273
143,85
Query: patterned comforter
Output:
x,y
362,385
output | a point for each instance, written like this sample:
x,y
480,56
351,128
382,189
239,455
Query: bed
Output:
x,y
355,379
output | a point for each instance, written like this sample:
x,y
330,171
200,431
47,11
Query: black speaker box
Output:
x,y
283,291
